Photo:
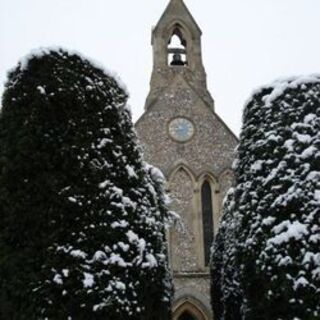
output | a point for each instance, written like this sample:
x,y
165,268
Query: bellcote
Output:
x,y
176,42
176,25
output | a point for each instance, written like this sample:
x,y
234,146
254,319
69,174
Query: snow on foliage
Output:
x,y
88,220
225,296
38,53
277,201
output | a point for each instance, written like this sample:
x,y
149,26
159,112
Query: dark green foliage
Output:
x,y
278,202
217,275
82,219
225,296
266,259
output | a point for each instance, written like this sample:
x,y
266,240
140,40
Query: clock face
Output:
x,y
181,129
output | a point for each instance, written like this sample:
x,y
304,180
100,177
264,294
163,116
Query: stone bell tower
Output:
x,y
183,136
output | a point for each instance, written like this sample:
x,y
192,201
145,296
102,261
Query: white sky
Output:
x,y
246,43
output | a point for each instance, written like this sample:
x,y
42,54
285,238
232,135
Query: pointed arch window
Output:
x,y
177,48
207,219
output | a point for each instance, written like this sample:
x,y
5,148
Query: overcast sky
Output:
x,y
246,43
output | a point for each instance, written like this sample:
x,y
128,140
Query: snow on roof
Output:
x,y
42,51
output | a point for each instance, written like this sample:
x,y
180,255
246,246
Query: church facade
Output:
x,y
183,136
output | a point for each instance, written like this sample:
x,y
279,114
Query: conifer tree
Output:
x,y
225,291
277,198
82,232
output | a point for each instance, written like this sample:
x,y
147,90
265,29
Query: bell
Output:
x,y
177,60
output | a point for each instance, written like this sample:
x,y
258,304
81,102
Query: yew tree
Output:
x,y
82,231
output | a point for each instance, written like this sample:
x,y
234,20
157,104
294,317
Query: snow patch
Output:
x,y
288,230
38,53
88,280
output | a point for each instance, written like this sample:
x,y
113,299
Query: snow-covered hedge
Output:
x,y
275,255
82,232
277,199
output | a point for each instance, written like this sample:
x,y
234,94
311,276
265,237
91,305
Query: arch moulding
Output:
x,y
192,306
186,30
181,166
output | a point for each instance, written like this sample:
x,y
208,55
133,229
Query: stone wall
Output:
x,y
210,150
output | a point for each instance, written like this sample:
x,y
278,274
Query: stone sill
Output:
x,y
191,275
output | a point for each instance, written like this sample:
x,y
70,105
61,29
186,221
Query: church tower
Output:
x,y
183,136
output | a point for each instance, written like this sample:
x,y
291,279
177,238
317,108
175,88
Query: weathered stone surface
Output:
x,y
184,252
210,150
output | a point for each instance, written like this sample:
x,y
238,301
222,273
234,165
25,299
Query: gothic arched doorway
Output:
x,y
188,311
187,316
